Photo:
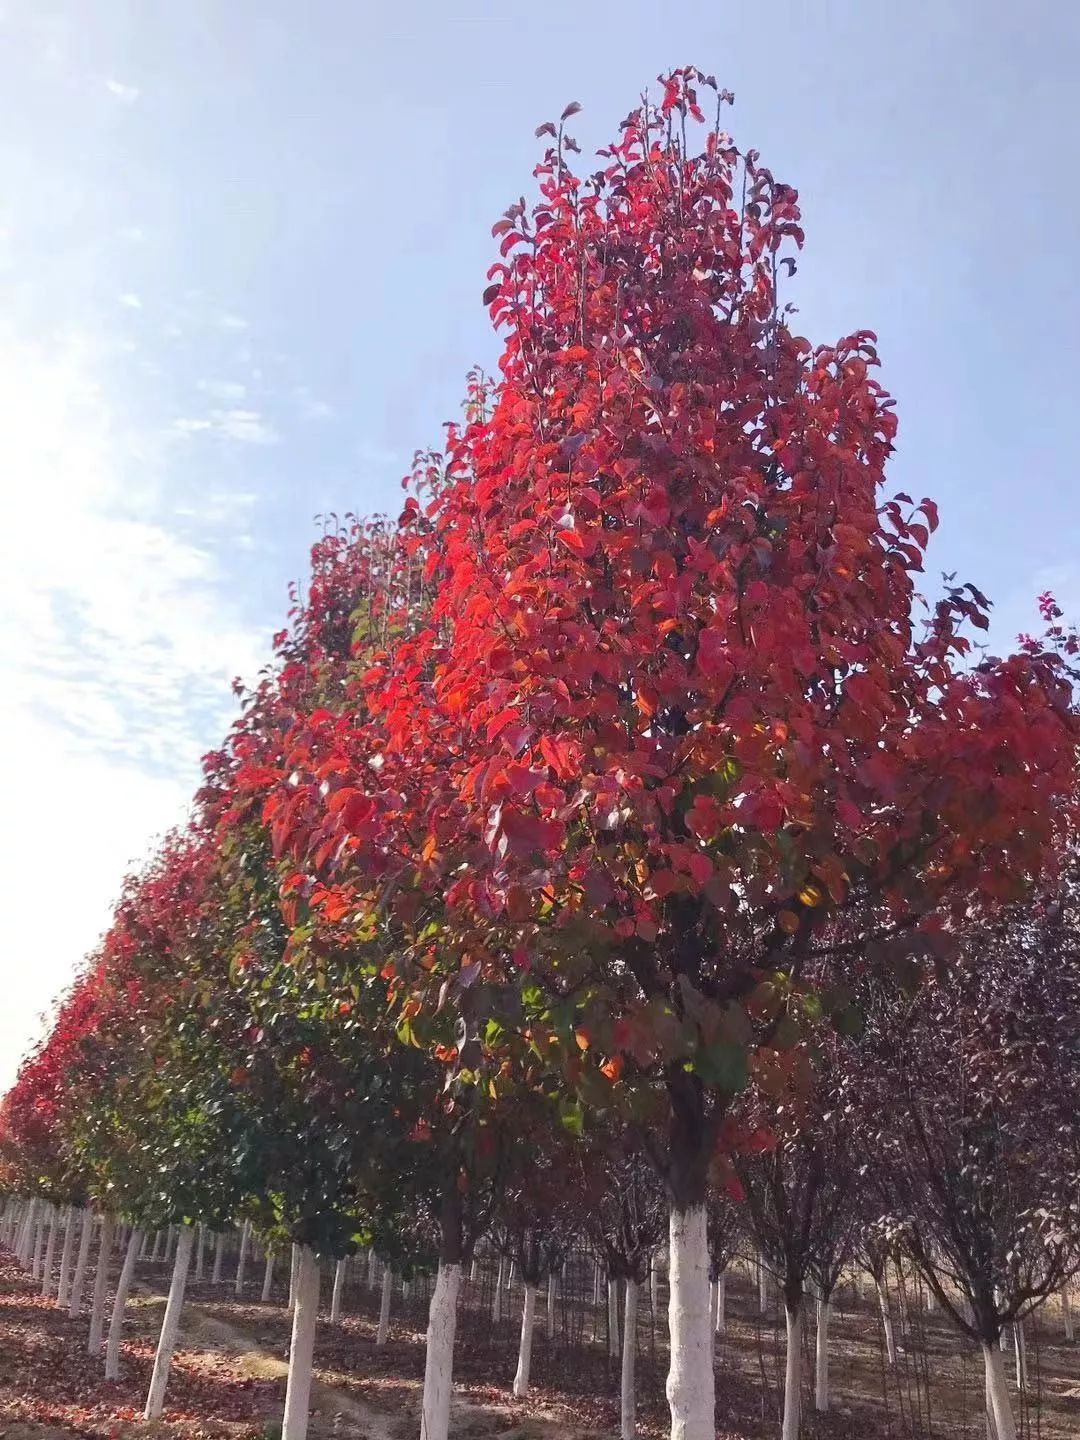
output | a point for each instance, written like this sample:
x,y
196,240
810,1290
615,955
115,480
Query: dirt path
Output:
x,y
337,1410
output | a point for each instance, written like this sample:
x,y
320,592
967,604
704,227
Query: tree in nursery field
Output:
x,y
625,1218
539,1212
669,726
974,1157
875,1249
33,1141
799,1184
725,1227
157,1127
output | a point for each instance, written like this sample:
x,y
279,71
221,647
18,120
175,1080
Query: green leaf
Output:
x,y
722,1066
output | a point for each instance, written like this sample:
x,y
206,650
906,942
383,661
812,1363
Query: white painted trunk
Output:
x,y
496,1304
721,1304
528,1322
1020,1347
302,1349
690,1386
268,1275
654,1286
294,1265
886,1321
627,1405
66,1256
37,1263
1066,1313
384,1306
50,1253
793,1375
550,1312
821,1357
82,1260
614,1347
155,1253
26,1234
596,1285
474,1271
200,1253
997,1393
219,1253
372,1269
123,1286
335,1299
171,1242
241,1259
763,1286
170,1325
101,1276
439,1365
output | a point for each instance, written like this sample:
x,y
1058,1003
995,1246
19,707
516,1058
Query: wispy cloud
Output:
x,y
310,406
126,94
249,427
222,389
130,300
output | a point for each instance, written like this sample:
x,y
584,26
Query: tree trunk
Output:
x,y
1020,1346
762,1286
627,1405
439,1365
50,1253
654,1285
123,1286
384,1306
66,1253
170,1325
78,1280
528,1320
37,1265
268,1276
998,1393
26,1234
200,1253
241,1259
101,1276
550,1309
1066,1312
219,1252
721,1303
614,1349
793,1374
302,1349
886,1320
496,1304
372,1269
294,1263
690,1385
821,1357
335,1298
159,1240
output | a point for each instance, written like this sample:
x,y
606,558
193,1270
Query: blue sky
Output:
x,y
242,247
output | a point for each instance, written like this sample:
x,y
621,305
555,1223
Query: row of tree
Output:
x,y
611,803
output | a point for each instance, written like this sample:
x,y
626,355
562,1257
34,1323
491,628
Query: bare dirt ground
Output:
x,y
228,1378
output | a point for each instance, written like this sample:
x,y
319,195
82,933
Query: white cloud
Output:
x,y
310,406
228,321
130,300
126,94
222,389
249,427
118,643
